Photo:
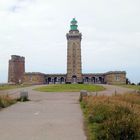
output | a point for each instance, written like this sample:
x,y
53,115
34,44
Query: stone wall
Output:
x,y
34,78
115,77
16,69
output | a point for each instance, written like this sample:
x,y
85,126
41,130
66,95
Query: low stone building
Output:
x,y
34,78
74,73
115,77
17,75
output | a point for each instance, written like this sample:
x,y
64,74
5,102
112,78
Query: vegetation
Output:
x,y
8,87
112,118
6,101
136,87
70,88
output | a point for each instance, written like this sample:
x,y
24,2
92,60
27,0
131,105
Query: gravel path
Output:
x,y
112,89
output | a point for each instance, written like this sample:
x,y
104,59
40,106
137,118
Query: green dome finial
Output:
x,y
74,25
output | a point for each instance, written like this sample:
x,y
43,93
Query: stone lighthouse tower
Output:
x,y
74,66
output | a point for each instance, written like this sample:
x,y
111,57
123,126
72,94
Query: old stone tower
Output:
x,y
74,66
16,69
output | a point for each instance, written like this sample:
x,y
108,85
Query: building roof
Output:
x,y
34,73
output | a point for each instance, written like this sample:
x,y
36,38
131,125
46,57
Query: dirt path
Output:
x,y
112,89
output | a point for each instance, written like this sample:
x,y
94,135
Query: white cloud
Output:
x,y
36,29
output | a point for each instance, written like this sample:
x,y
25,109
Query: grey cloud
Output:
x,y
20,5
111,34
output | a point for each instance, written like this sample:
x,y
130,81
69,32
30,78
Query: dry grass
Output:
x,y
112,118
6,101
9,87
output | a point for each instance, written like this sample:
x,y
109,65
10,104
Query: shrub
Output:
x,y
123,128
6,101
133,84
99,113
121,125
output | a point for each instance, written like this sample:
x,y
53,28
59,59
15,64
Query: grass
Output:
x,y
8,87
136,87
112,118
70,88
6,101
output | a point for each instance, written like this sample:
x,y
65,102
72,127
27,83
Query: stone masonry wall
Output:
x,y
34,78
115,78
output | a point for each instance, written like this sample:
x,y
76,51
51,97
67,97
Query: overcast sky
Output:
x,y
36,29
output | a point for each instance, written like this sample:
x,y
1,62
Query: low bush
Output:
x,y
6,101
133,84
112,118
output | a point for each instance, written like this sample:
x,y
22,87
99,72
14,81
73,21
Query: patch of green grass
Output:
x,y
8,87
70,88
135,87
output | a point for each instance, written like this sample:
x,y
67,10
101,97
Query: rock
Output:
x,y
24,95
83,93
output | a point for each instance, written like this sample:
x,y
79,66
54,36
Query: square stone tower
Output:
x,y
16,69
74,66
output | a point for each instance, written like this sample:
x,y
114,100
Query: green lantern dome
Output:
x,y
74,25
